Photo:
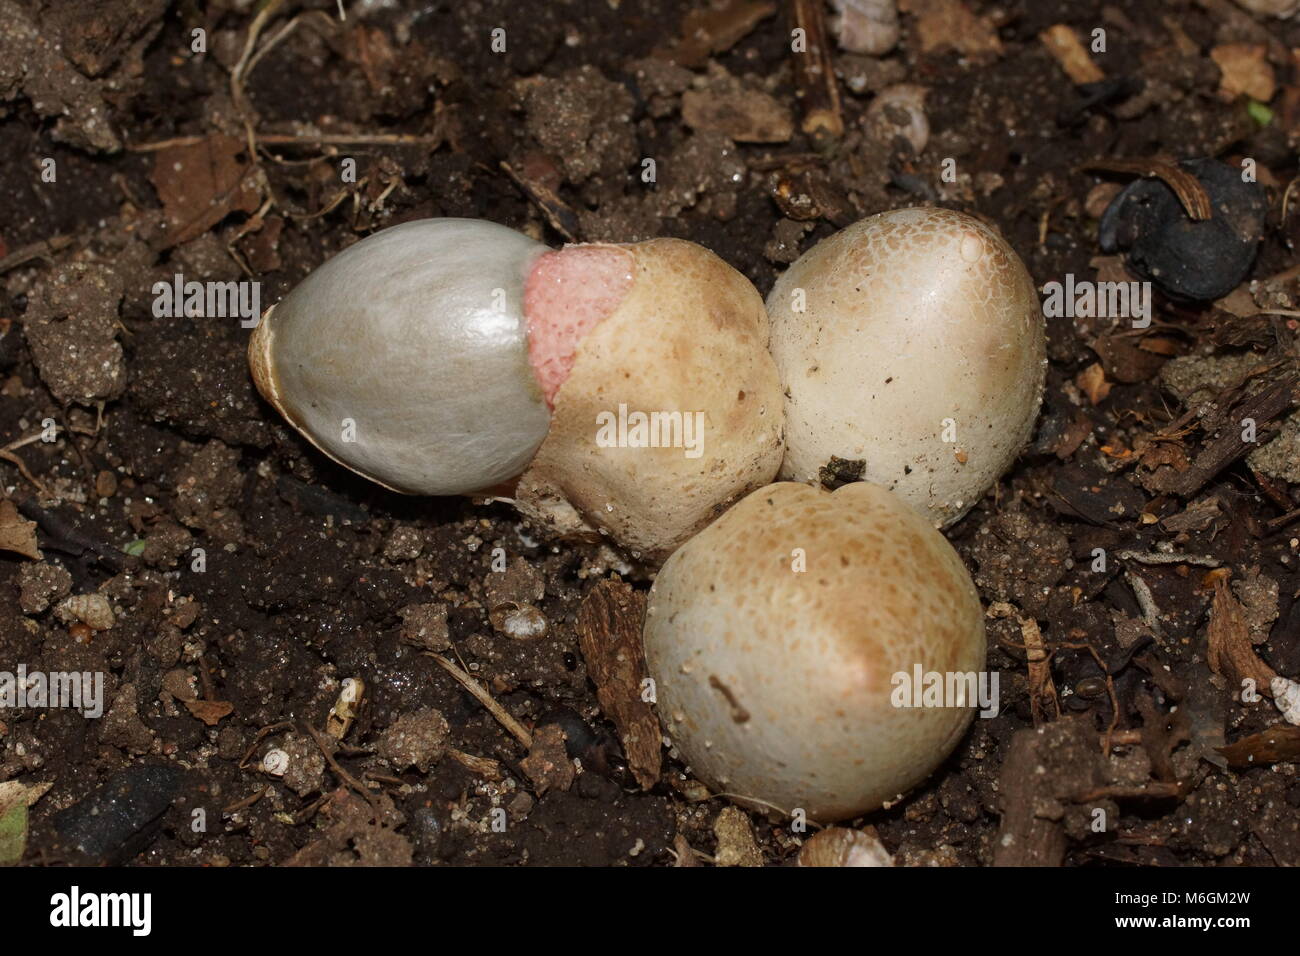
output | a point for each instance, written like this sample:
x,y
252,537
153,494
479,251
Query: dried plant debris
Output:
x,y
18,535
1200,381
609,630
202,183
1230,653
1277,744
355,835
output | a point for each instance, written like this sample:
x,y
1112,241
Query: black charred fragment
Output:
x,y
1186,259
120,819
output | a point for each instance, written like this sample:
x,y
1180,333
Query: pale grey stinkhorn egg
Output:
x,y
912,341
453,356
775,635
405,357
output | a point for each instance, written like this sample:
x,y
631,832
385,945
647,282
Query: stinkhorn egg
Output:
x,y
912,341
775,638
624,390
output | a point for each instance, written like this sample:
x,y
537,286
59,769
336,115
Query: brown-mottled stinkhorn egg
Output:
x,y
912,341
775,638
455,356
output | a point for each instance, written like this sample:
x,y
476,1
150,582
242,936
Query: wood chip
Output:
x,y
1278,744
1230,652
609,631
485,767
1263,408
1068,50
1042,768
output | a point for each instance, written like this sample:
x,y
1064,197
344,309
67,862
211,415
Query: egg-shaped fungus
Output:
x,y
912,341
623,390
778,636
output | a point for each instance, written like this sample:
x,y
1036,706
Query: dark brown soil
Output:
x,y
311,575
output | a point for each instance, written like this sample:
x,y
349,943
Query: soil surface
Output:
x,y
1139,563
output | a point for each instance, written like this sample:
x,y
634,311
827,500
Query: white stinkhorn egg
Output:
x,y
912,341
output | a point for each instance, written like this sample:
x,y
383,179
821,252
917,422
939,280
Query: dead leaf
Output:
x,y
609,630
1159,345
17,534
1197,516
202,183
1230,654
1093,382
1246,71
1072,436
1278,744
950,24
211,712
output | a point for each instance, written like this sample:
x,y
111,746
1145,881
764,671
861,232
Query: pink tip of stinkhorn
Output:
x,y
567,295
